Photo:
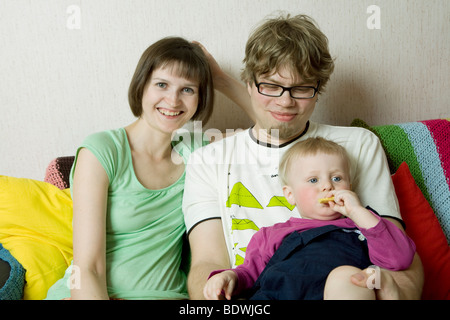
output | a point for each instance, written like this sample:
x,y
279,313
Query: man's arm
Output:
x,y
208,253
396,285
202,215
375,188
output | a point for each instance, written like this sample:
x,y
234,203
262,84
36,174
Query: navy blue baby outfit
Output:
x,y
300,266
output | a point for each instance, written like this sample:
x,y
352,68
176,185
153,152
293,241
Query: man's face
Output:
x,y
284,113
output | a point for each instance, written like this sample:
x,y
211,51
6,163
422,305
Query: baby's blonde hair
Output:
x,y
308,147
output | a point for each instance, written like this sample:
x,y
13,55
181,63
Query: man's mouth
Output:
x,y
283,117
169,113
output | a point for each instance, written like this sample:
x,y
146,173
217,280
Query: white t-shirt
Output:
x,y
236,180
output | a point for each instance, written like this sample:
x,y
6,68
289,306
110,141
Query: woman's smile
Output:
x,y
169,113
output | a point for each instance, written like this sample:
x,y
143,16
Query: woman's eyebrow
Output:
x,y
188,84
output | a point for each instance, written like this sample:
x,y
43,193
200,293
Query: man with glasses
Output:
x,y
232,187
298,92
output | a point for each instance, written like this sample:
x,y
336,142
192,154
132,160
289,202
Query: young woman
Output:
x,y
127,184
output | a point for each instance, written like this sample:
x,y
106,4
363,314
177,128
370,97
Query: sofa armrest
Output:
x,y
58,172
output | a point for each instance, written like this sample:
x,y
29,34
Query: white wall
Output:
x,y
58,84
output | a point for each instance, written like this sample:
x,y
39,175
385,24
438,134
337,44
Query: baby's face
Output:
x,y
312,178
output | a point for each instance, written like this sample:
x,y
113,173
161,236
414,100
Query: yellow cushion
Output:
x,y
36,228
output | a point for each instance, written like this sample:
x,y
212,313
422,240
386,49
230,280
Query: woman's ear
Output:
x,y
289,195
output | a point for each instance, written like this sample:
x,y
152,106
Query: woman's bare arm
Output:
x,y
90,190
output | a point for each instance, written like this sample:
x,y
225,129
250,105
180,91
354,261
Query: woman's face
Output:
x,y
169,101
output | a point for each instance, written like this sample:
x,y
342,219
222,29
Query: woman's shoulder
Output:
x,y
107,137
110,147
112,142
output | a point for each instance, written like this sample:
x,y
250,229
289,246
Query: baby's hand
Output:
x,y
224,281
347,203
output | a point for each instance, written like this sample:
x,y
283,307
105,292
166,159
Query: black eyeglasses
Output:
x,y
297,92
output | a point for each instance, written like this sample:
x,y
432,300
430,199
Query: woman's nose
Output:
x,y
173,98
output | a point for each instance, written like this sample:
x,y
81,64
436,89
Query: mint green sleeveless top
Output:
x,y
145,228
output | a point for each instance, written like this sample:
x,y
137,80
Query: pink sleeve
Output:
x,y
257,255
389,247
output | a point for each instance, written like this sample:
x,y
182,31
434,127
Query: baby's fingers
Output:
x,y
228,289
212,290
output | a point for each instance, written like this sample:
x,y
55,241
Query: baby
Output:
x,y
314,256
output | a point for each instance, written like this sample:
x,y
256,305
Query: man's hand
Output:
x,y
395,285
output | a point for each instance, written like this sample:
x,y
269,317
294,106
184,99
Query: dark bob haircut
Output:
x,y
191,63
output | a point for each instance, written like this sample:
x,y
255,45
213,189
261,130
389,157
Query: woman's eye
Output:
x,y
161,85
188,90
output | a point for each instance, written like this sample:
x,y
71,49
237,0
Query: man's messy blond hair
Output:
x,y
289,42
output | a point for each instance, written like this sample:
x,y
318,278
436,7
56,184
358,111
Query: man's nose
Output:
x,y
285,99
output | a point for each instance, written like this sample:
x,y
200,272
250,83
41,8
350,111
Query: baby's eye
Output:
x,y
337,179
313,180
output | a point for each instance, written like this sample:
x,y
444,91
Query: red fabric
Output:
x,y
423,227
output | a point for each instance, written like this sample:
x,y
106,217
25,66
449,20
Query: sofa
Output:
x,y
36,216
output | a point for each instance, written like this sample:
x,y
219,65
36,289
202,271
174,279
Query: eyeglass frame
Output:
x,y
316,89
